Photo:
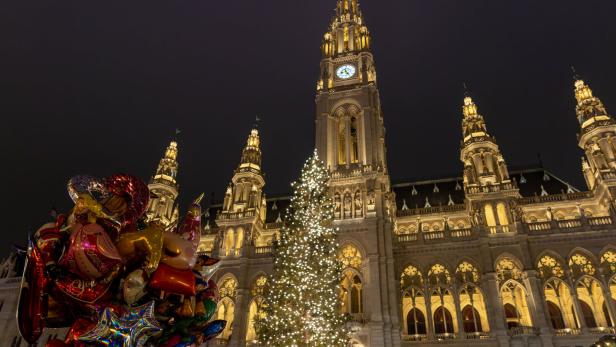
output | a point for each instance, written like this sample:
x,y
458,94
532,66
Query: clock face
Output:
x,y
345,72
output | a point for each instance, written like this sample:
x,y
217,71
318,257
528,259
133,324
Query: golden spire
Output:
x,y
168,167
348,32
473,125
590,109
251,155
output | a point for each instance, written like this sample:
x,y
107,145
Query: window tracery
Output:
x,y
439,276
507,269
467,273
580,265
350,256
549,267
411,277
228,288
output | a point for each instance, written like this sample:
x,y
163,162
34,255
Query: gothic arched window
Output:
x,y
354,141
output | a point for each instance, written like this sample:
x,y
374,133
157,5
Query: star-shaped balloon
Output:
x,y
132,329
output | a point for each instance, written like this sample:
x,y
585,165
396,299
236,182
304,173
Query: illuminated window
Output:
x,y
467,273
580,265
439,276
351,293
549,267
489,213
341,142
507,269
354,141
350,256
411,276
228,288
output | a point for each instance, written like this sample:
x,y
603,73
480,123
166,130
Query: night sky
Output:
x,y
99,87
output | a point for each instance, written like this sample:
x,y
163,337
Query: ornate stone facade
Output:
x,y
494,257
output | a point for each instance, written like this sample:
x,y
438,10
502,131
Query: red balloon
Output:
x,y
91,253
173,280
32,306
48,239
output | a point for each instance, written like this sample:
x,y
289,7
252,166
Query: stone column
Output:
x,y
579,316
459,318
494,308
430,317
238,335
536,301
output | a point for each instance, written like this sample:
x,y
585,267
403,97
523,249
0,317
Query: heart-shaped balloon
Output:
x,y
91,254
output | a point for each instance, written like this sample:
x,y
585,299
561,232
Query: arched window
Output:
x,y
354,141
229,242
239,240
341,141
513,293
608,263
255,311
415,322
471,321
413,301
490,218
503,217
556,316
443,322
351,291
474,314
439,280
226,305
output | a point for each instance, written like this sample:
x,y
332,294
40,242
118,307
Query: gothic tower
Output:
x,y
350,138
164,189
489,190
243,210
596,138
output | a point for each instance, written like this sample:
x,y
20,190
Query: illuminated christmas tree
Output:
x,y
302,308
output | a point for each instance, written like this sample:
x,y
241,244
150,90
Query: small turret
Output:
x,y
164,188
597,136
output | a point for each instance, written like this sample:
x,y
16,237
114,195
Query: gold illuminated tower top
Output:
x,y
168,167
596,137
348,33
484,164
347,60
164,188
251,155
590,110
473,124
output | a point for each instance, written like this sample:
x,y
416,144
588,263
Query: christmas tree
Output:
x,y
302,307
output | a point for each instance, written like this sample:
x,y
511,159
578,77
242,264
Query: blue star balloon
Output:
x,y
132,329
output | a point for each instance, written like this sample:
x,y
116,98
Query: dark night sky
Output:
x,y
98,87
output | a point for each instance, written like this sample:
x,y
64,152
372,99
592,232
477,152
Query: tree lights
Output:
x,y
302,307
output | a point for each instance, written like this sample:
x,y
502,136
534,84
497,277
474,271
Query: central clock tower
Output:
x,y
350,138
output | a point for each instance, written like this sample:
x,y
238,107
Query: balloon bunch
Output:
x,y
115,279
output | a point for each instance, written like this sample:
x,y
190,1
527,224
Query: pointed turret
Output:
x,y
243,211
483,162
489,189
597,139
251,155
590,110
473,125
164,188
348,32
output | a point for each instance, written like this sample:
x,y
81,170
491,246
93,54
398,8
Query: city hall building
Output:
x,y
491,257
